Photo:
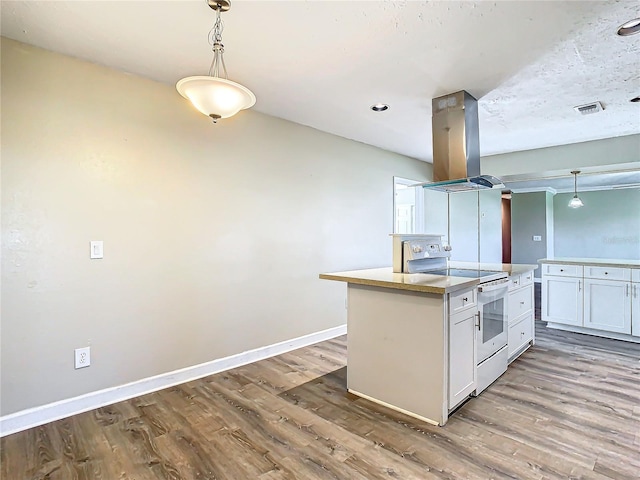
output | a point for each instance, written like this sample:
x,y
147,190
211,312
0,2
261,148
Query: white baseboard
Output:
x,y
33,417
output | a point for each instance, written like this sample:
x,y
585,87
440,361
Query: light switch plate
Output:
x,y
537,238
97,249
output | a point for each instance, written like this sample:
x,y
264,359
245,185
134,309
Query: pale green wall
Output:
x,y
608,226
561,226
214,235
529,213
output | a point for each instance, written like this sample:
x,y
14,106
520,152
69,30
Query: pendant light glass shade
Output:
x,y
216,97
211,94
575,202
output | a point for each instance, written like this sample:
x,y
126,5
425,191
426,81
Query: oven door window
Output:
x,y
493,323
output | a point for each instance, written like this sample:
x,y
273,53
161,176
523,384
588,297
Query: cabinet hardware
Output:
x,y
478,320
465,299
579,285
627,289
635,291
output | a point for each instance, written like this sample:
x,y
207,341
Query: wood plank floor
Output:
x,y
568,408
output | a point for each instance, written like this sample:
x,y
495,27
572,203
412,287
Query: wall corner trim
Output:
x,y
33,417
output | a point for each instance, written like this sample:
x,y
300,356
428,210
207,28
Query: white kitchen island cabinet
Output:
x,y
398,352
521,333
463,377
411,343
594,296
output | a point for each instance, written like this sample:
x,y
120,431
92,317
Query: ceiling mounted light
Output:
x,y
380,107
629,28
212,95
575,201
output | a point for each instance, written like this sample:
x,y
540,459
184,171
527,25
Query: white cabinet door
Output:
x,y
562,300
462,356
607,305
635,310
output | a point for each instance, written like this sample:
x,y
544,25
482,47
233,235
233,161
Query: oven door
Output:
x,y
493,308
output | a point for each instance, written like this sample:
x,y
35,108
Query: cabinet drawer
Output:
x,y
519,334
526,278
517,281
607,273
520,302
562,270
460,300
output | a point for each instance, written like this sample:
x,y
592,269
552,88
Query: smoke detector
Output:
x,y
589,108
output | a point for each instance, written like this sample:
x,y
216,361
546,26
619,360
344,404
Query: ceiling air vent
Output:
x,y
589,108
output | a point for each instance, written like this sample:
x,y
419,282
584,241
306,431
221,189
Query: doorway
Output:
x,y
408,206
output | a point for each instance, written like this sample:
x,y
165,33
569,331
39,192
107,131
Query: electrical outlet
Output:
x,y
83,357
537,238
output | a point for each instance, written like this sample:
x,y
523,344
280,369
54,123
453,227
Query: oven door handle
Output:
x,y
492,288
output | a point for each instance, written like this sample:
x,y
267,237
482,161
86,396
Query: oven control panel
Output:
x,y
416,249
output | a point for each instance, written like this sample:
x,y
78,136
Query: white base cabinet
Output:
x,y
521,333
462,356
591,298
562,298
607,305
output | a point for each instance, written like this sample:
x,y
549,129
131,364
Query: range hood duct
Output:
x,y
456,146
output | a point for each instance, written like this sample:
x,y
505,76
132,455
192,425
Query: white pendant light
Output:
x,y
212,95
575,202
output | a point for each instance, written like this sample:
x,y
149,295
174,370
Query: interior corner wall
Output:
x,y
214,235
608,226
529,218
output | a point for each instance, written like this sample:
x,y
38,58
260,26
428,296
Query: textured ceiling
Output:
x,y
323,63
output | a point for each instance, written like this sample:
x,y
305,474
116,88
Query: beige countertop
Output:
x,y
422,282
415,282
605,262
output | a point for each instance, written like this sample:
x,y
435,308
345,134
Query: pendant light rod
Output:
x,y
575,202
575,180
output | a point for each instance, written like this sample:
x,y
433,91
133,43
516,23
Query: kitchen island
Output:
x,y
412,337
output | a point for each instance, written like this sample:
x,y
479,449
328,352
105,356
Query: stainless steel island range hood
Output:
x,y
456,146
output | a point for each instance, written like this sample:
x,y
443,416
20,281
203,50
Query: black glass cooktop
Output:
x,y
459,272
